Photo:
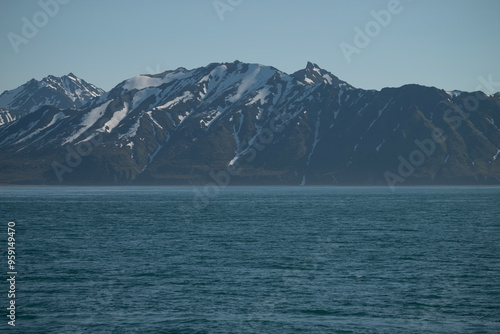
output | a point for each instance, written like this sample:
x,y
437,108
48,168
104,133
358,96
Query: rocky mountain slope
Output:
x,y
66,92
238,123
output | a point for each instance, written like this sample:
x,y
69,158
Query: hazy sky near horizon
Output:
x,y
448,44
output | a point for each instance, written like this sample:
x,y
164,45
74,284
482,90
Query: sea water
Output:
x,y
253,260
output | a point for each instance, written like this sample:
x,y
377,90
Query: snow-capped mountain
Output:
x,y
313,74
254,124
66,92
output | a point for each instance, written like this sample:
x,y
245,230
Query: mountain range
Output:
x,y
246,124
66,92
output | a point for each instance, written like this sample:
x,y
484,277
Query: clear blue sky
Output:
x,y
444,43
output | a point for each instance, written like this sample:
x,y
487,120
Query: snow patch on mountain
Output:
x,y
328,78
380,112
183,117
16,135
118,116
237,139
143,95
150,114
259,114
57,117
260,96
255,77
496,155
380,145
183,98
246,83
214,77
133,129
454,93
88,120
309,81
316,139
210,118
140,82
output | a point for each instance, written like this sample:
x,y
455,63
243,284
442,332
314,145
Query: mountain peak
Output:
x,y
171,127
66,92
313,74
311,66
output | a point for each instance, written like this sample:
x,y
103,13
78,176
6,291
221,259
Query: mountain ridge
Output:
x,y
257,125
64,92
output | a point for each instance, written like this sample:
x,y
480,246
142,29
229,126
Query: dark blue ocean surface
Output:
x,y
253,260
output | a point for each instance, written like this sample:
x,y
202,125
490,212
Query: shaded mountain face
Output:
x,y
238,123
66,92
